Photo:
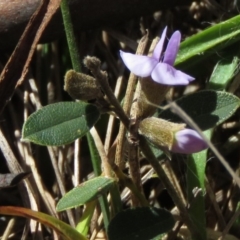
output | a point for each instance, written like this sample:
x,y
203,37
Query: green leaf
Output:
x,y
84,193
66,231
85,221
140,224
207,42
196,164
156,151
207,108
60,123
225,69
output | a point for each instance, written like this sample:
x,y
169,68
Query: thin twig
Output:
x,y
172,177
56,71
60,182
26,189
230,224
105,162
77,166
8,229
217,209
112,118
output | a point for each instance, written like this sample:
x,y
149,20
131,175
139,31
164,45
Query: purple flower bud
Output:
x,y
163,71
188,141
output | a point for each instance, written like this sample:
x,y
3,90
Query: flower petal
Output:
x,y
168,75
141,66
172,48
188,141
158,49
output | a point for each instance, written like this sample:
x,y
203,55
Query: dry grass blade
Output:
x,y
27,191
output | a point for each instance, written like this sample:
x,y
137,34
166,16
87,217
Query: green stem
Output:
x,y
96,162
72,44
116,199
196,165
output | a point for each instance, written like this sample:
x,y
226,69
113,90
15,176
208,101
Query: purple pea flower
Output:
x,y
188,141
159,67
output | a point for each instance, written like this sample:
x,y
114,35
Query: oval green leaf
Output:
x,y
140,224
60,123
84,193
206,108
66,231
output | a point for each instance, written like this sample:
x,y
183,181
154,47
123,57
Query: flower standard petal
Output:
x,y
158,49
188,141
141,66
165,74
172,48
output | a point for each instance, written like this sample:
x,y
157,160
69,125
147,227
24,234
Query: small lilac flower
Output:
x,y
159,67
188,141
